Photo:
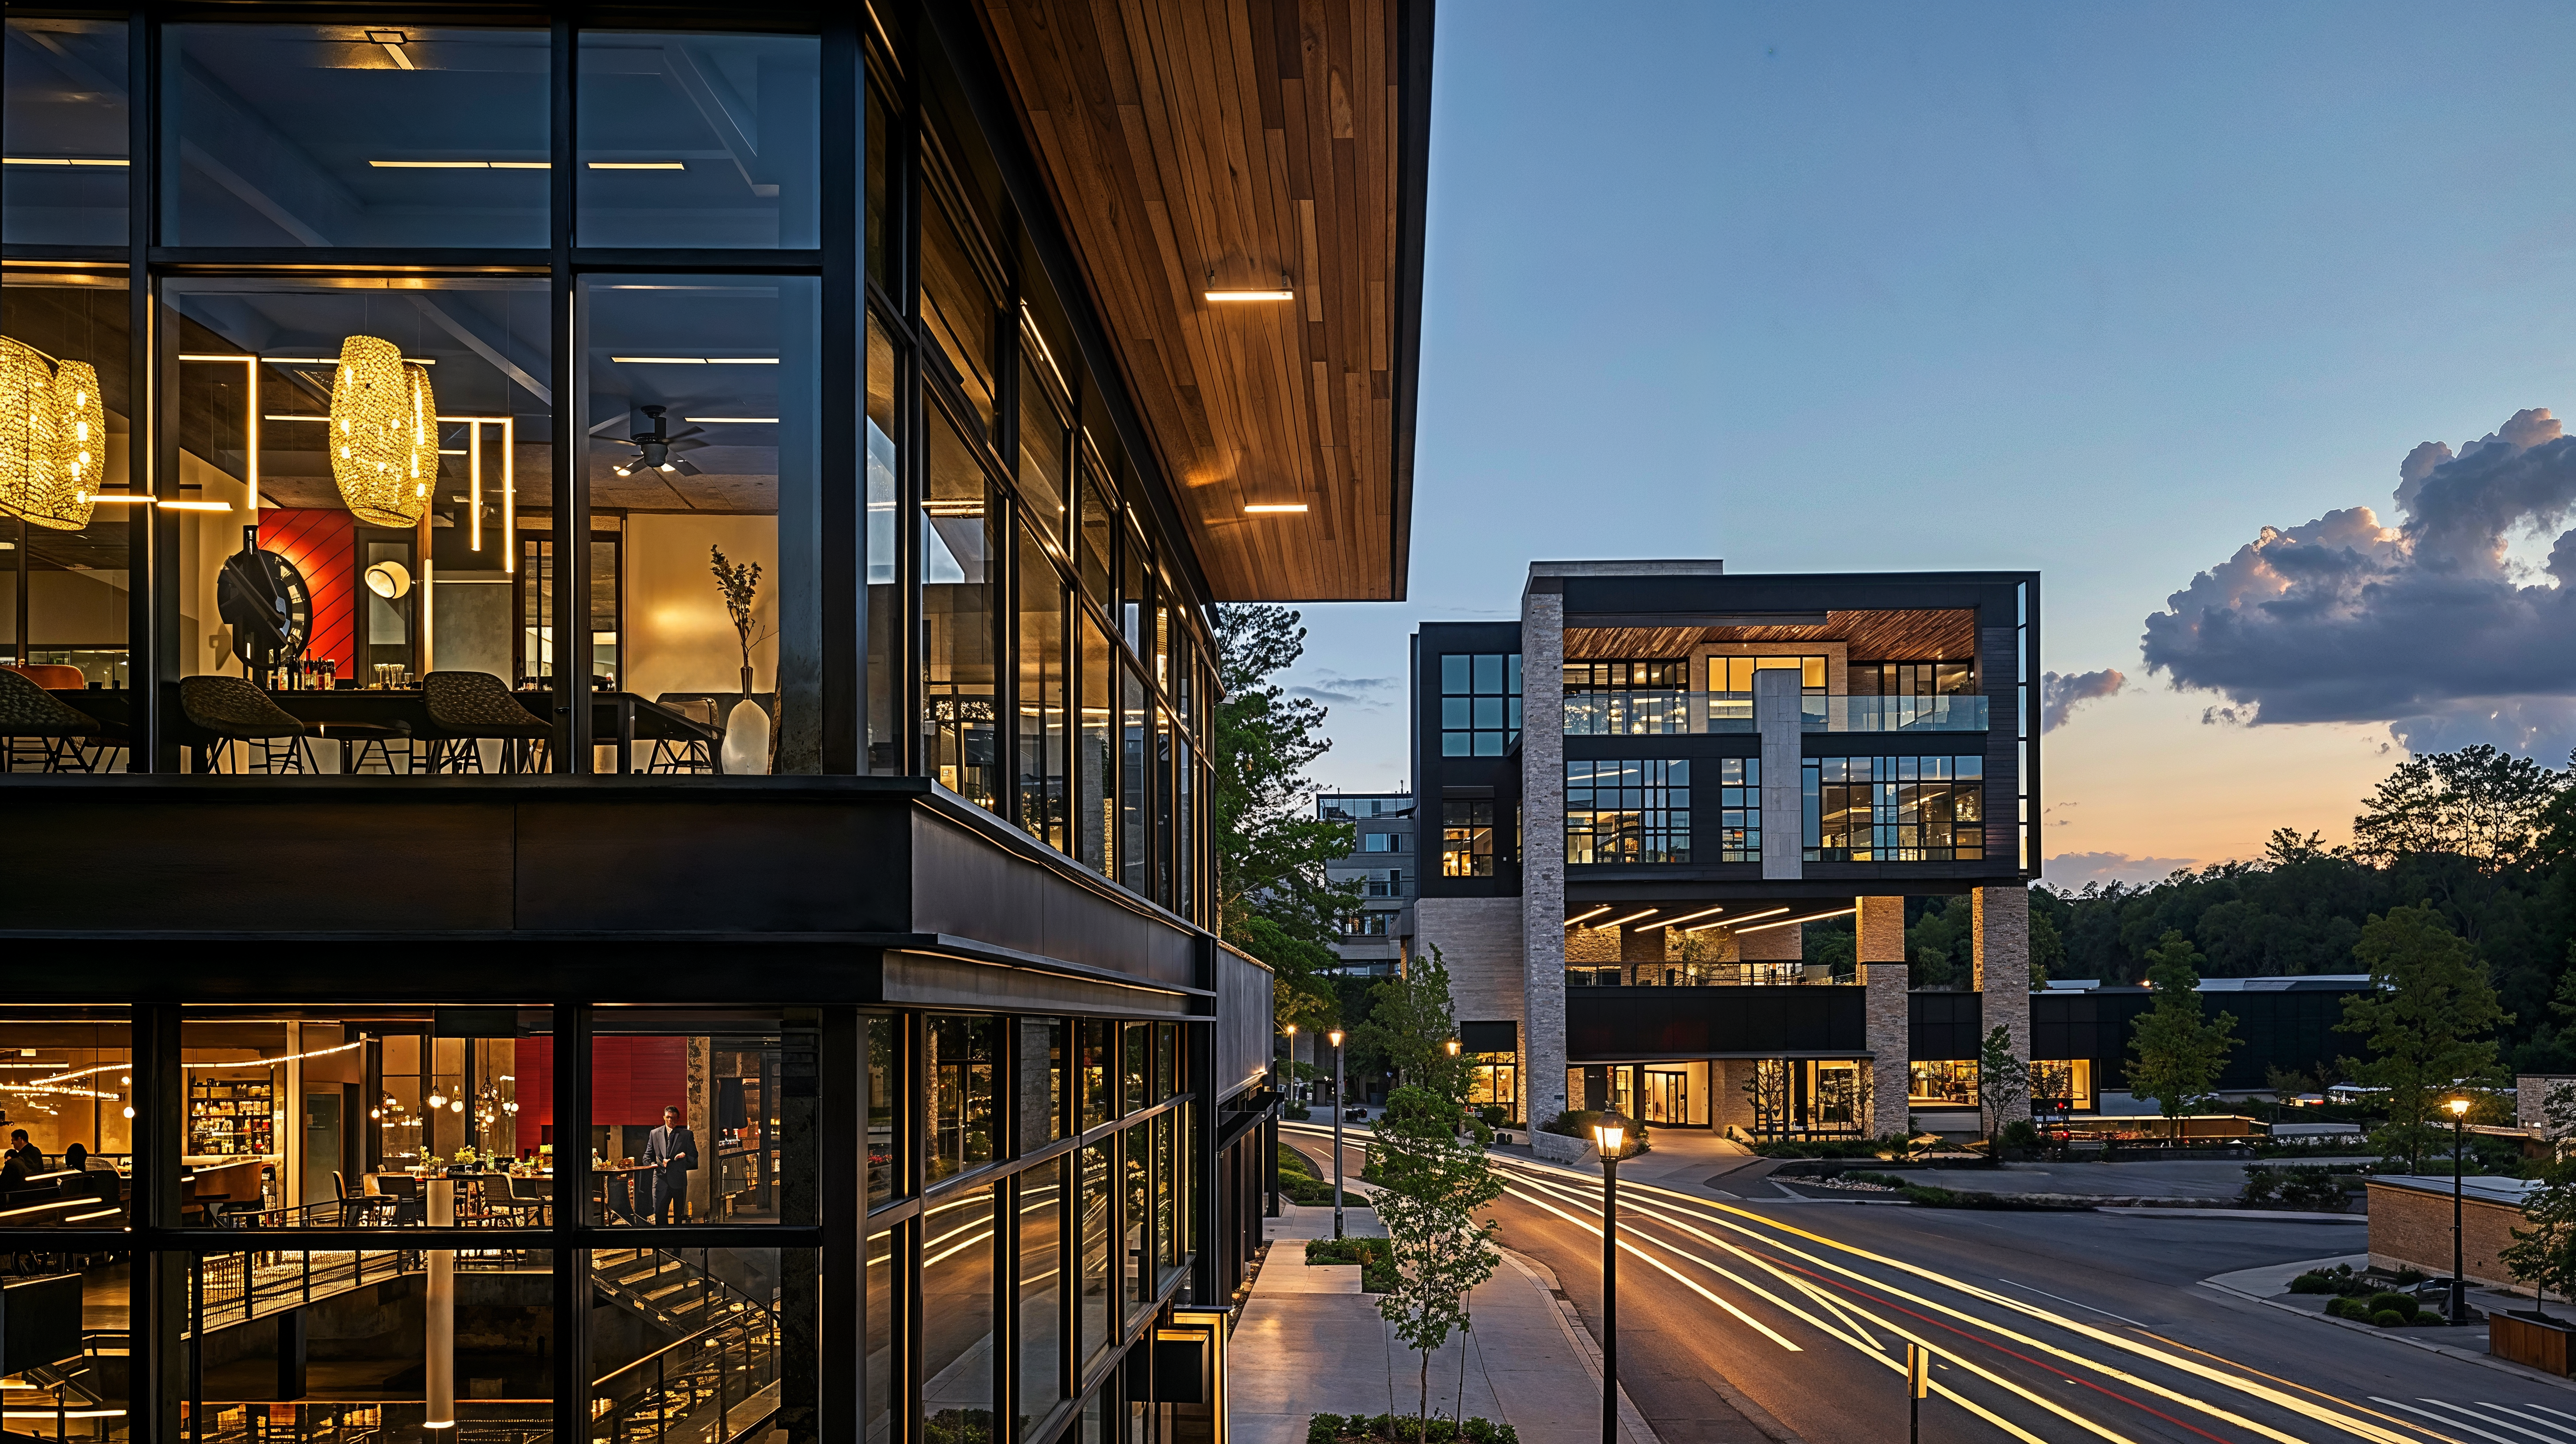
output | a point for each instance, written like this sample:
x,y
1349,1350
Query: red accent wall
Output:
x,y
323,545
631,1081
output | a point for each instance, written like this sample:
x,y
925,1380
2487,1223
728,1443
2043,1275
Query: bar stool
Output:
x,y
40,728
356,737
467,707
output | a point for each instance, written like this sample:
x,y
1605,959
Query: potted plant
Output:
x,y
746,730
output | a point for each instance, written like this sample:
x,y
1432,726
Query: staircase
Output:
x,y
718,1383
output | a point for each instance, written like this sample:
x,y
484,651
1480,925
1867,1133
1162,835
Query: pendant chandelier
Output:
x,y
53,437
384,433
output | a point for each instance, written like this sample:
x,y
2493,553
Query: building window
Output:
x,y
1739,817
1385,842
1627,676
1494,1081
1895,809
1627,810
1383,882
1909,679
1368,925
1942,1084
1735,674
1480,703
1592,977
2061,1085
1467,839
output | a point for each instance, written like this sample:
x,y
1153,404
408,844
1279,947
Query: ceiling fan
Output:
x,y
658,449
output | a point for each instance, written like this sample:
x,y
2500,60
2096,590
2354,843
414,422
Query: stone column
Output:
x,y
1880,928
1776,719
1772,945
1642,953
2002,926
1543,847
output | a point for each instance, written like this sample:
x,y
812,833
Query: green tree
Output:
x,y
2428,1024
1411,1023
2179,1053
1432,1182
2543,1252
1273,900
2481,803
2002,1081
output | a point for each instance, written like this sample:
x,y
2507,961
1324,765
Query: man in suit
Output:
x,y
671,1151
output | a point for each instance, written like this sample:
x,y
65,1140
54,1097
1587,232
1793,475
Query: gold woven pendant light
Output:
x,y
46,473
384,433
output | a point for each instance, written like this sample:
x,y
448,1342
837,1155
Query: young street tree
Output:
x,y
2002,1081
2428,1024
1272,897
2179,1053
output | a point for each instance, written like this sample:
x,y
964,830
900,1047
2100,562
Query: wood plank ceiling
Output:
x,y
1197,145
1872,636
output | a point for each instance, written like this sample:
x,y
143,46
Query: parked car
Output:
x,y
1355,1114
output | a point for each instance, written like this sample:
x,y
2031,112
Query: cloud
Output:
x,y
2432,626
1333,687
2060,692
2072,870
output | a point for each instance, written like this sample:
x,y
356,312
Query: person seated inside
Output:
x,y
75,1158
24,1156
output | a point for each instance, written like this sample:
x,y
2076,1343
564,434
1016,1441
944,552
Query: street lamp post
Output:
x,y
2459,1133
1336,1036
1607,1136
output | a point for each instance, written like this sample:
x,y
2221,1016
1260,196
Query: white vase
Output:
x,y
746,740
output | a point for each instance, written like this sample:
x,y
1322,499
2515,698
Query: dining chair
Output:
x,y
40,728
232,710
466,708
685,754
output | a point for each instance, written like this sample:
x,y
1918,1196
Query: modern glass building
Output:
x,y
611,690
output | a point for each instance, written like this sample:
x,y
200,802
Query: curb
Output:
x,y
2484,1360
2271,1215
1629,1419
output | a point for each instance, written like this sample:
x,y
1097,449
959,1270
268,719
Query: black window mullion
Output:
x,y
843,583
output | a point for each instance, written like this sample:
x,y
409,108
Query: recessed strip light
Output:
x,y
636,165
1630,918
1737,923
1592,913
61,160
1251,295
1687,917
695,360
732,420
196,506
289,416
125,497
461,164
1270,508
311,360
1793,922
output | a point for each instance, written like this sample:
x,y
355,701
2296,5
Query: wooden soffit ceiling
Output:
x,y
1197,145
1918,635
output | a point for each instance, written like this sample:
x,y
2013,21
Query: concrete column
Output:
x,y
1543,848
1776,722
438,1372
1880,926
2002,930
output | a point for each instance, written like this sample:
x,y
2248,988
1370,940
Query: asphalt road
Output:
x,y
2045,1326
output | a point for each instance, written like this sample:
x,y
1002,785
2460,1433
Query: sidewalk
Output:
x,y
1310,1342
2269,1286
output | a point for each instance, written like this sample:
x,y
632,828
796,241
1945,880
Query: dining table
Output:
x,y
618,719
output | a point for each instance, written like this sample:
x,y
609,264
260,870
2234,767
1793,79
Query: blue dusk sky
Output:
x,y
2099,290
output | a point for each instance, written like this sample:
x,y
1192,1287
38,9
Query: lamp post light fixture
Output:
x,y
2459,1134
1336,1036
1607,1136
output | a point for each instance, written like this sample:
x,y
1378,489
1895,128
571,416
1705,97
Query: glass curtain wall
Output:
x,y
366,553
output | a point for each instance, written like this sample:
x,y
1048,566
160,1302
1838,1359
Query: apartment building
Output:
x,y
1383,864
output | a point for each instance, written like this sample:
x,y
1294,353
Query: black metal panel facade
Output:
x,y
2292,1029
1603,1024
1944,1027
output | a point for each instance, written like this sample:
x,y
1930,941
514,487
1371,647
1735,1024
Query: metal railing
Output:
x,y
712,1386
1651,714
375,1421
1717,975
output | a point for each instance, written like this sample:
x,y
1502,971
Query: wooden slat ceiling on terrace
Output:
x,y
1227,144
1876,636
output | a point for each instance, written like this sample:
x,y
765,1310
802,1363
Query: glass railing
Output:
x,y
1650,714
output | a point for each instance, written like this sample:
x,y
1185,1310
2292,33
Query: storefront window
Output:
x,y
686,1122
1042,1082
1043,792
65,183
958,1060
962,538
884,1325
1950,1084
724,1315
1098,1329
1095,751
66,1111
1099,1072
1493,1081
354,135
884,597
65,1374
67,553
1040,1214
885,1106
699,140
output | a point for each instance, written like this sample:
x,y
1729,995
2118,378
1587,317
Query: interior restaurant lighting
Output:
x,y
196,506
637,165
1630,918
1737,923
461,164
250,425
508,427
732,420
695,360
393,41
1792,922
384,433
1587,913
1689,917
64,160
53,437
1258,508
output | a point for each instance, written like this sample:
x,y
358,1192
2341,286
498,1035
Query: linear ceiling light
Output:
x,y
1737,923
637,165
461,164
695,360
1630,918
196,506
1687,917
1592,913
393,41
61,160
1281,295
309,361
1267,508
128,497
1792,922
732,420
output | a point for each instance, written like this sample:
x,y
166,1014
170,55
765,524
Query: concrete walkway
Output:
x,y
1310,1342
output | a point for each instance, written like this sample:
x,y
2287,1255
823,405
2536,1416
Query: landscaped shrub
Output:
x,y
2390,1318
1404,1428
1494,1115
2021,1134
2312,1282
1376,1260
1297,1113
2387,1303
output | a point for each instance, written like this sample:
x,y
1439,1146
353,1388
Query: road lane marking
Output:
x,y
2077,1303
2438,1419
2517,1413
2483,1419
